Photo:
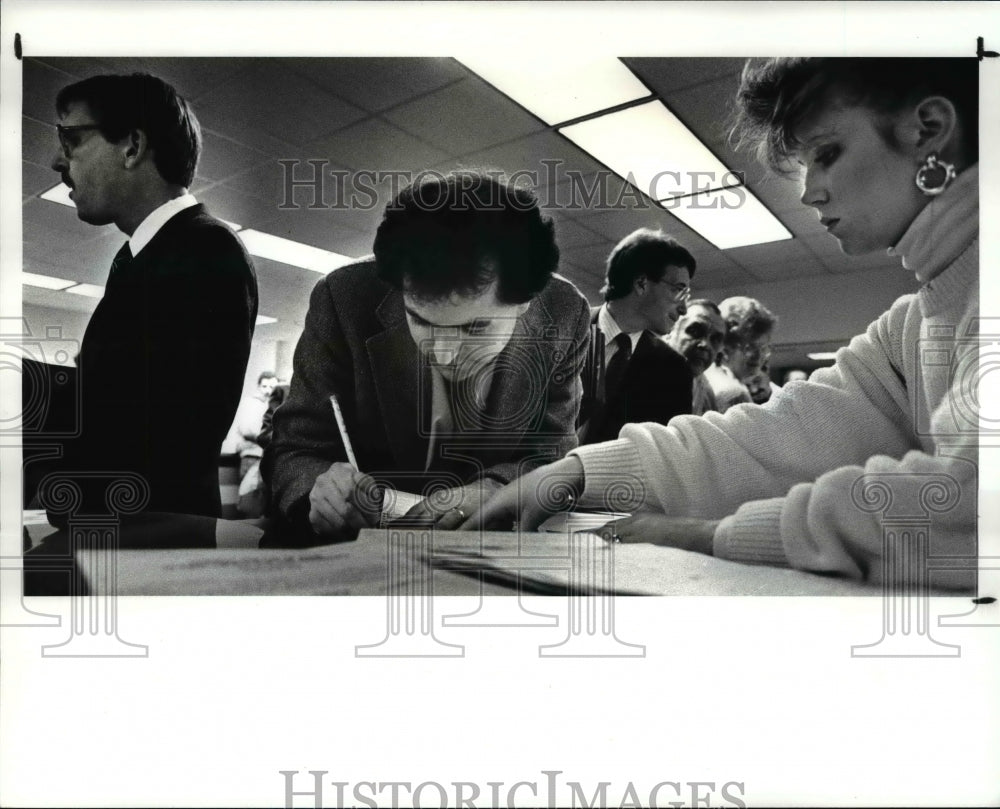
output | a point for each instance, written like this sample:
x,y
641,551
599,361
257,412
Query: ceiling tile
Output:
x,y
36,179
283,291
527,154
617,224
873,261
191,76
665,75
570,234
39,143
356,243
235,206
326,229
780,194
464,118
86,262
51,299
221,158
378,83
278,102
56,226
752,255
41,84
707,110
782,270
804,223
591,260
375,145
357,207
721,276
307,183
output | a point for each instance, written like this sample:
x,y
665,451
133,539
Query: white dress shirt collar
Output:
x,y
151,225
610,329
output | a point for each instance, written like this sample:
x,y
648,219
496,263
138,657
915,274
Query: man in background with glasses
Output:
x,y
163,358
632,375
747,347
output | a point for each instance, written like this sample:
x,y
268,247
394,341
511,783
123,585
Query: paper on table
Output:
x,y
574,522
397,503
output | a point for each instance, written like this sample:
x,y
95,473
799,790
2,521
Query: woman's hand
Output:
x,y
532,498
685,533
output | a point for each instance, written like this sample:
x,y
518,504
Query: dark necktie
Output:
x,y
122,259
615,371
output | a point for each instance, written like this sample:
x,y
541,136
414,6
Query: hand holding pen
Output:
x,y
343,499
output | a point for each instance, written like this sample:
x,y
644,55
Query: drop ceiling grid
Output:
x,y
240,179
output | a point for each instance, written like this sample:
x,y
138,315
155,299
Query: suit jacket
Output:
x,y
656,387
162,363
356,344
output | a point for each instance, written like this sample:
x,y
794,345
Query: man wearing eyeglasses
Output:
x,y
747,346
180,298
638,377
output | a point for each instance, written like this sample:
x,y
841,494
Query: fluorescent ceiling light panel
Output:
x,y
650,147
90,290
649,144
286,251
59,193
823,355
44,281
730,217
559,89
263,320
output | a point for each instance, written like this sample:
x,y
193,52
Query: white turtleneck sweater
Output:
x,y
803,480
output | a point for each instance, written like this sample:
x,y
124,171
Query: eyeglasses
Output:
x,y
67,139
682,292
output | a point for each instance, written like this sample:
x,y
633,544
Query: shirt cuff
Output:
x,y
610,470
752,534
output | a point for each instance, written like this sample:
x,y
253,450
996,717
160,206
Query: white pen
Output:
x,y
343,431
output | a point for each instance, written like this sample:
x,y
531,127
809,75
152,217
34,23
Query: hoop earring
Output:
x,y
934,176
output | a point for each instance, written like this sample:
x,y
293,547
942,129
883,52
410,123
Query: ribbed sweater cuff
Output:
x,y
752,534
612,463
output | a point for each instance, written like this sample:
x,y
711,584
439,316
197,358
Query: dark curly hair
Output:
x,y
122,104
456,233
643,252
777,95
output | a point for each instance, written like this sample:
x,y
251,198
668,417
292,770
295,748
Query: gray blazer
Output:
x,y
356,344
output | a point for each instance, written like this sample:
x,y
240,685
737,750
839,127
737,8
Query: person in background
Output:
x,y
759,386
749,326
250,419
698,337
274,401
455,356
647,283
885,151
179,305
